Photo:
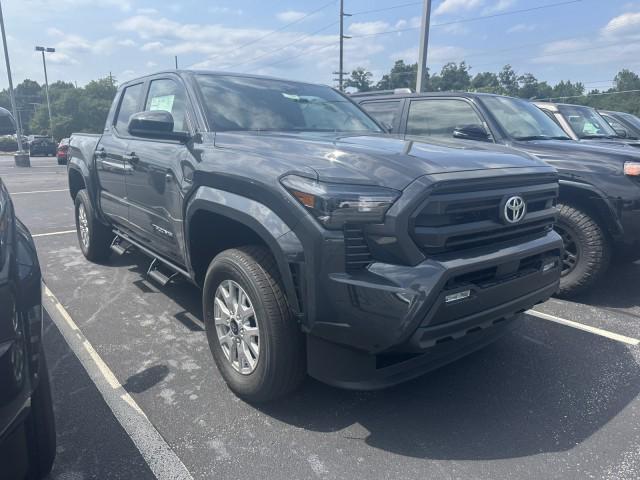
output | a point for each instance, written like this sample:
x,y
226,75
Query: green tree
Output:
x,y
627,80
402,75
508,81
486,82
360,79
453,77
567,90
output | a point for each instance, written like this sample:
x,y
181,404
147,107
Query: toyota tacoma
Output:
x,y
322,244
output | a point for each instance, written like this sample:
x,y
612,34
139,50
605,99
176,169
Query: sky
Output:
x,y
587,40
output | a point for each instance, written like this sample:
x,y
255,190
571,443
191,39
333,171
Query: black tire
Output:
x,y
281,364
587,250
41,429
97,247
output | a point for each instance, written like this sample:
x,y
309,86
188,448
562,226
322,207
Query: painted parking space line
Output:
x,y
586,328
39,191
63,232
161,459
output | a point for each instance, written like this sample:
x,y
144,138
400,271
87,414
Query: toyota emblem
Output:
x,y
515,209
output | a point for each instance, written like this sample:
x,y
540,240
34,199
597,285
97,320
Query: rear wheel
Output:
x,y
255,342
587,250
94,237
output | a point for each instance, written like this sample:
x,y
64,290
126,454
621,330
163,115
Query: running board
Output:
x,y
157,275
120,246
157,263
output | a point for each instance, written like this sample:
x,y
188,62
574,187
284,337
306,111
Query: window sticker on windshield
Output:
x,y
164,102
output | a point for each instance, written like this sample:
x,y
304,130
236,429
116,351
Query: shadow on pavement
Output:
x,y
619,288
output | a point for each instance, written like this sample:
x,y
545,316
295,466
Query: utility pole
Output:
x,y
342,39
176,59
21,158
421,81
46,84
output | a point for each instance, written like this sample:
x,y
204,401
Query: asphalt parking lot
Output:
x,y
548,400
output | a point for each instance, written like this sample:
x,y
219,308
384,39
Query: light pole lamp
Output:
x,y
46,83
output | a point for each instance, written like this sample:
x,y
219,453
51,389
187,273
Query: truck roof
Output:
x,y
392,94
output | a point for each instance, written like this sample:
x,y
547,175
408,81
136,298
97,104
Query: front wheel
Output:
x,y
94,237
587,249
255,342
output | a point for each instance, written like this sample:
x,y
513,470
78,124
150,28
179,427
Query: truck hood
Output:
x,y
385,160
575,156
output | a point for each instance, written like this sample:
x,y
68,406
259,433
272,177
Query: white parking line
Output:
x,y
162,460
53,233
13,194
586,328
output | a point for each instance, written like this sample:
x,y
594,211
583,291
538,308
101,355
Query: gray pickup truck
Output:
x,y
322,245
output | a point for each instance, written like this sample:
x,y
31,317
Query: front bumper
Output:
x,y
390,323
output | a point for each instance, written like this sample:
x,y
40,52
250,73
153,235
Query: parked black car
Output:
x,y
41,145
27,429
585,124
62,153
625,124
599,205
323,245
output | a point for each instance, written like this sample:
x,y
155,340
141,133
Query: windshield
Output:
x,y
257,104
632,119
586,122
523,120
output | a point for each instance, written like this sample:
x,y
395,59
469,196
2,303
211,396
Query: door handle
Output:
x,y
132,158
101,153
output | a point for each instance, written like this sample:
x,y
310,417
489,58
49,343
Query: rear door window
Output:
x,y
439,117
384,112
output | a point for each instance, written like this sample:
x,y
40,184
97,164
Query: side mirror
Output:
x,y
471,132
7,122
620,132
155,124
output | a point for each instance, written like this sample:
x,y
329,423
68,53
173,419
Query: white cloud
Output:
x,y
522,27
438,54
151,46
456,29
147,11
223,10
75,43
151,64
123,5
290,16
368,28
127,42
499,6
61,58
452,7
627,23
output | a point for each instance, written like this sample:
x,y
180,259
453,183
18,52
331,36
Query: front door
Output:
x,y
155,179
110,163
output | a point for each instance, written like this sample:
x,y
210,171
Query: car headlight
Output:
x,y
334,204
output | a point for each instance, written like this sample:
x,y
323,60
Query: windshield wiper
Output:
x,y
539,137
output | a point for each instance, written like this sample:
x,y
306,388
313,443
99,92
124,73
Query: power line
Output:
x,y
284,27
320,47
473,19
394,7
282,47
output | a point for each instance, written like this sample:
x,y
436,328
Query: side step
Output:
x,y
120,246
161,277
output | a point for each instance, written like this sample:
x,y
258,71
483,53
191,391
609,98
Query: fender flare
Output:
x,y
612,220
276,234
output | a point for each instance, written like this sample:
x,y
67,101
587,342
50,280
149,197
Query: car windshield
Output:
x,y
586,122
522,120
632,119
259,104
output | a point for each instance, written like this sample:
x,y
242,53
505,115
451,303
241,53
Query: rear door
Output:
x,y
155,181
110,163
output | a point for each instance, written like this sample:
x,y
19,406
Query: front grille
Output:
x,y
458,216
357,255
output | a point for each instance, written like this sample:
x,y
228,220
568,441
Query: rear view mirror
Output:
x,y
471,132
7,123
155,124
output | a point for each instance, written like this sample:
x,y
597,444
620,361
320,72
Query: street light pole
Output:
x,y
21,159
421,81
46,83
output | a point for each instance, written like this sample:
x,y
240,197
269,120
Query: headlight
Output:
x,y
335,204
632,168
